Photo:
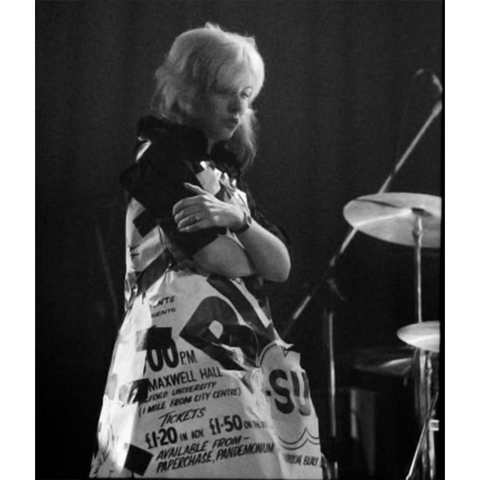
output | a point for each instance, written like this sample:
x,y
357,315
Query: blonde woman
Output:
x,y
200,384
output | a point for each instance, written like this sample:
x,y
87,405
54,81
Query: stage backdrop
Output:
x,y
343,98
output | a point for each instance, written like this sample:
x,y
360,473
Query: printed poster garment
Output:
x,y
200,384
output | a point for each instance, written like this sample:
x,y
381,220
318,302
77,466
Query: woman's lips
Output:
x,y
232,122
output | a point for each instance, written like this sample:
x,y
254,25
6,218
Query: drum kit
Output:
x,y
413,220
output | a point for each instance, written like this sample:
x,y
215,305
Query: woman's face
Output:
x,y
222,110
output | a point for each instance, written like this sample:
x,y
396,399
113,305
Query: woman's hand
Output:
x,y
204,210
262,252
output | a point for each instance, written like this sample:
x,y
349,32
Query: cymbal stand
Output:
x,y
423,436
328,278
422,360
417,235
332,390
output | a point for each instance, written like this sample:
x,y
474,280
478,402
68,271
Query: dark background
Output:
x,y
340,104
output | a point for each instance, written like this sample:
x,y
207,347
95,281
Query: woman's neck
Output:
x,y
210,145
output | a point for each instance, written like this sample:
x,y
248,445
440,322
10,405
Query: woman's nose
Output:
x,y
237,105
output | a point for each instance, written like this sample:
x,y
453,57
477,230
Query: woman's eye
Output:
x,y
246,93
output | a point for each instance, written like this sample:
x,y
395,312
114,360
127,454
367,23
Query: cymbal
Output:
x,y
392,217
391,361
424,335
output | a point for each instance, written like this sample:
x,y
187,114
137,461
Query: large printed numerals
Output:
x,y
160,347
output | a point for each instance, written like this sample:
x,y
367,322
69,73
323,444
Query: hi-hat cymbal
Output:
x,y
424,335
392,217
391,361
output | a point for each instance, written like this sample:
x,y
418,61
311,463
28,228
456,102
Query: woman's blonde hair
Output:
x,y
192,68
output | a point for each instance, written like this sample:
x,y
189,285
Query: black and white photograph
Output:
x,y
239,239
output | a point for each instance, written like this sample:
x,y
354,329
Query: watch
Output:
x,y
247,222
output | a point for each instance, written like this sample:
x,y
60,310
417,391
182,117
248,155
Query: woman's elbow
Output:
x,y
279,273
280,277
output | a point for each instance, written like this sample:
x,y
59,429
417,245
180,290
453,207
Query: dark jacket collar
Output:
x,y
192,139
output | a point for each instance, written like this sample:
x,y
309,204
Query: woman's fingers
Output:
x,y
202,211
189,201
185,212
184,203
192,224
189,221
194,212
194,188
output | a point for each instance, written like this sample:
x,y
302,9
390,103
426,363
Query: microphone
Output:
x,y
437,108
430,79
437,83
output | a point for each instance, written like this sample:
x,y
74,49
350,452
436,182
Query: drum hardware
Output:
x,y
425,335
390,361
333,293
413,220
424,444
423,387
410,219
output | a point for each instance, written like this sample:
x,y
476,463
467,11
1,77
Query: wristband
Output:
x,y
248,221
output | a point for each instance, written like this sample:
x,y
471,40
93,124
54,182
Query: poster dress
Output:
x,y
200,384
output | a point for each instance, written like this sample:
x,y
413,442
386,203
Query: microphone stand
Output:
x,y
328,279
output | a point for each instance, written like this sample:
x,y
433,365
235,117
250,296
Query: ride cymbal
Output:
x,y
391,361
392,217
423,335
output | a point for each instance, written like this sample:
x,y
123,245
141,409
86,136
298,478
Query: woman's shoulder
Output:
x,y
152,128
168,135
